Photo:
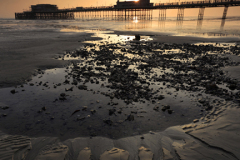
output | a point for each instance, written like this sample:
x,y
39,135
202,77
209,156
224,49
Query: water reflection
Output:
x,y
137,24
199,27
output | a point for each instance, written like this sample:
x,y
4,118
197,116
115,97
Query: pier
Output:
x,y
127,10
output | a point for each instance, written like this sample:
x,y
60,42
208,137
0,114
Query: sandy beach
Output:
x,y
78,96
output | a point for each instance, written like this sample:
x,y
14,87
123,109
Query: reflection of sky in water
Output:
x,y
211,27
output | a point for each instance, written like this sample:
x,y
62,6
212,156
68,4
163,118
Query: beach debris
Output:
x,y
75,112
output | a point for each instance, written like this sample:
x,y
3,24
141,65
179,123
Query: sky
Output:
x,y
9,7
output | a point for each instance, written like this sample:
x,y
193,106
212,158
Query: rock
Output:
x,y
62,94
93,111
211,86
170,111
130,117
3,106
69,89
82,87
111,111
44,108
156,108
62,98
119,111
108,121
137,37
160,97
164,108
232,86
84,108
13,91
135,112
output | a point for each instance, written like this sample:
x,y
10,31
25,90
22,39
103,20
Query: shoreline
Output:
x,y
20,63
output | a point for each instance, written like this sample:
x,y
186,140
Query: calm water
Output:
x,y
210,26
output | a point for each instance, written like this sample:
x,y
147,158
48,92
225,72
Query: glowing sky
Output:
x,y
9,7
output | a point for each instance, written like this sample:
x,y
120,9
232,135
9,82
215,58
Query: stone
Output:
x,y
111,111
164,108
130,117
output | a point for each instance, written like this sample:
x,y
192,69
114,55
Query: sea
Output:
x,y
191,26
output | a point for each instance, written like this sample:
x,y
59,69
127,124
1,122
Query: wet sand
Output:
x,y
20,57
207,129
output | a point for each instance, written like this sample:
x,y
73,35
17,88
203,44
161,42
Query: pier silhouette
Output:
x,y
127,10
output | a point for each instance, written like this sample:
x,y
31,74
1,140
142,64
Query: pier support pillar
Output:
x,y
162,14
224,16
180,14
225,12
200,17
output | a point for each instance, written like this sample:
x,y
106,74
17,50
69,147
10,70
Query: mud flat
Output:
x,y
127,99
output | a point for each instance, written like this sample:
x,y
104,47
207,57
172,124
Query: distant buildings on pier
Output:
x,y
44,8
132,4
